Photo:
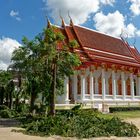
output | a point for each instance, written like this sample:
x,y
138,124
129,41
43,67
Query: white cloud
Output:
x,y
108,2
15,14
114,24
7,46
79,10
138,33
18,18
135,7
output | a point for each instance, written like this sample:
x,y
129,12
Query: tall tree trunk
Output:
x,y
17,101
11,89
18,91
7,99
33,96
52,95
1,95
10,100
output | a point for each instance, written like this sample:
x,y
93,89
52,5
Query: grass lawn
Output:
x,y
127,114
124,114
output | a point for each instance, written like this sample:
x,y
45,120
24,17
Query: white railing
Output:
x,y
97,96
87,96
137,97
119,97
109,97
128,97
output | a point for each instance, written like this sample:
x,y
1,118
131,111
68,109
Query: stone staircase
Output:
x,y
8,122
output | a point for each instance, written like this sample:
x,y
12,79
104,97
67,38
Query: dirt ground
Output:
x,y
6,134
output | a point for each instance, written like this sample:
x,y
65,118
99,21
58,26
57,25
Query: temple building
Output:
x,y
109,74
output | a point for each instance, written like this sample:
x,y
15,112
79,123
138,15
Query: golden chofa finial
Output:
x,y
62,21
71,22
48,22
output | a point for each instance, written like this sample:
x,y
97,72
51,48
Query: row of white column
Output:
x,y
114,86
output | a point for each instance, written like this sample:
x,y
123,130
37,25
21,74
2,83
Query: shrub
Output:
x,y
5,113
79,123
22,108
3,107
118,109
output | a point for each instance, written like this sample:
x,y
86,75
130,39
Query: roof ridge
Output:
x,y
97,32
133,55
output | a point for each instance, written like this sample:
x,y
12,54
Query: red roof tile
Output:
x,y
98,47
99,41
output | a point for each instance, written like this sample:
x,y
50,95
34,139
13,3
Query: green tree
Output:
x,y
5,79
44,62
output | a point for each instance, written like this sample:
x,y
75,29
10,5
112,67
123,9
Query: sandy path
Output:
x,y
135,121
6,134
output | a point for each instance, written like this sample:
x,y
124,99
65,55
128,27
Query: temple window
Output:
x,y
128,86
88,84
110,85
135,88
95,85
100,84
78,84
119,86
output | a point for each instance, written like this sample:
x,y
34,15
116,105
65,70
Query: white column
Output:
x,y
132,85
103,84
123,85
107,85
96,86
75,87
138,84
91,87
114,88
83,83
66,90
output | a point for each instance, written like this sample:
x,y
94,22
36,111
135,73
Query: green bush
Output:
x,y
3,107
5,113
22,108
79,123
119,109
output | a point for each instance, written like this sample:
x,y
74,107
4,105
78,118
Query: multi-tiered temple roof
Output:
x,y
96,48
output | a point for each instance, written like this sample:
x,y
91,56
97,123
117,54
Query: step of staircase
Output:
x,y
8,122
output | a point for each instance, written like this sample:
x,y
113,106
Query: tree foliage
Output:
x,y
43,63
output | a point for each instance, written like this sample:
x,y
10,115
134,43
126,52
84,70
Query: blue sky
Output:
x,y
20,18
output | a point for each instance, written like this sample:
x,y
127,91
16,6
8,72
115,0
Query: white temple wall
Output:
x,y
94,97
